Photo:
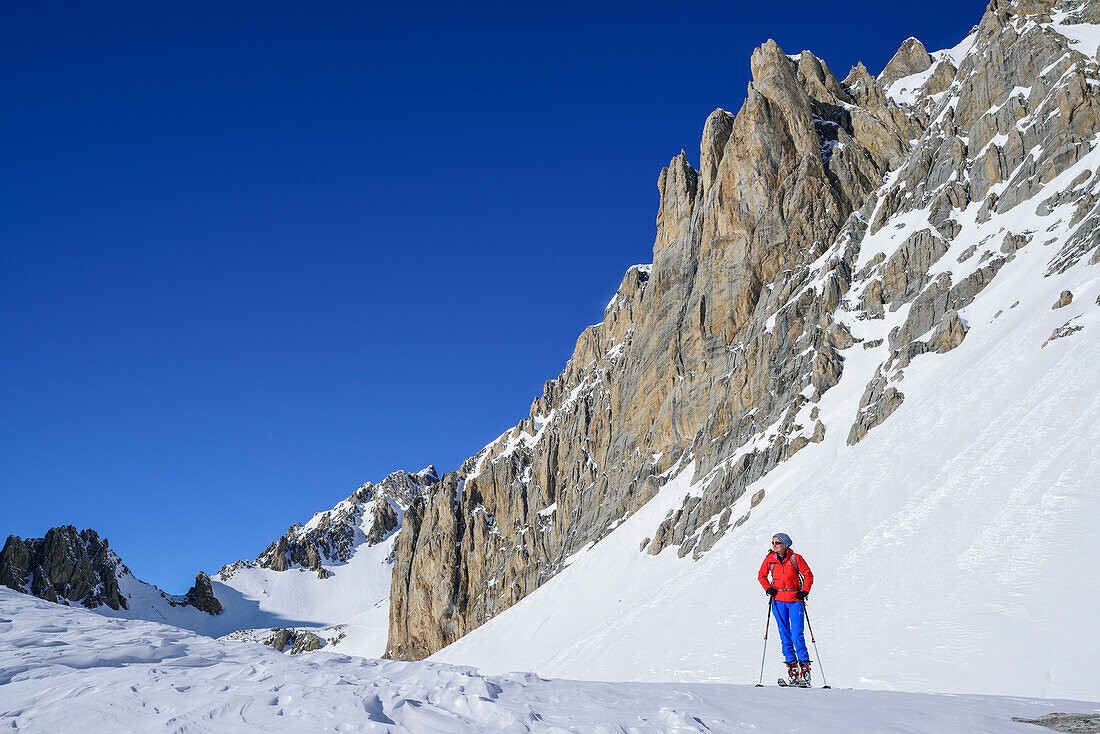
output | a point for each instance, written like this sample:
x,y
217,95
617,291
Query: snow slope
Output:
x,y
65,667
355,597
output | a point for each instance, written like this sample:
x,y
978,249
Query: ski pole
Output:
x,y
806,613
760,683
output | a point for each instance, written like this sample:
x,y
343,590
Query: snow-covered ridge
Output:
x,y
370,515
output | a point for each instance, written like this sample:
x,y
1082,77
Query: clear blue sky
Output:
x,y
253,255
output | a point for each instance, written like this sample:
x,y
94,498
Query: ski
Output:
x,y
785,684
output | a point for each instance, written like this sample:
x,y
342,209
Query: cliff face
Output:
x,y
64,566
821,201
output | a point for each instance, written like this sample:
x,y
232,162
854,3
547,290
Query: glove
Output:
x,y
801,594
771,591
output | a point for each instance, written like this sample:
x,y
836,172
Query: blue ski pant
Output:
x,y
790,618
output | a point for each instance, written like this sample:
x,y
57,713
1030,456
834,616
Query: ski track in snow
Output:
x,y
66,669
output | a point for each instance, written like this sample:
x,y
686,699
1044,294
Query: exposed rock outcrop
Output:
x,y
911,58
298,641
280,638
1072,723
305,642
1067,329
201,596
66,566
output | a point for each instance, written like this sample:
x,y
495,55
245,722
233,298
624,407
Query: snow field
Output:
x,y
63,669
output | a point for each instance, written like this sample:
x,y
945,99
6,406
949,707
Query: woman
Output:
x,y
789,584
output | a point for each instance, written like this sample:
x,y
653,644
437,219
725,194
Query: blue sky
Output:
x,y
253,255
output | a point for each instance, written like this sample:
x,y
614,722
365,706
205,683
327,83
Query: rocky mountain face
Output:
x,y
370,515
65,566
68,566
820,203
201,596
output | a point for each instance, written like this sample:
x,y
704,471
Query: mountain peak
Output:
x,y
911,58
65,566
370,515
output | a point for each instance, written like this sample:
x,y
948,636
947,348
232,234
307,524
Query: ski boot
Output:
x,y
794,674
804,673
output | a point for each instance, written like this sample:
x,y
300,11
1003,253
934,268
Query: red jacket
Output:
x,y
788,575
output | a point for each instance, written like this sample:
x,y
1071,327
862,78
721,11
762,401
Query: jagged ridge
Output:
x,y
369,515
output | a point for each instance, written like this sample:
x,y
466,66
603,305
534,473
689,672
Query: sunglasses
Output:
x,y
777,542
